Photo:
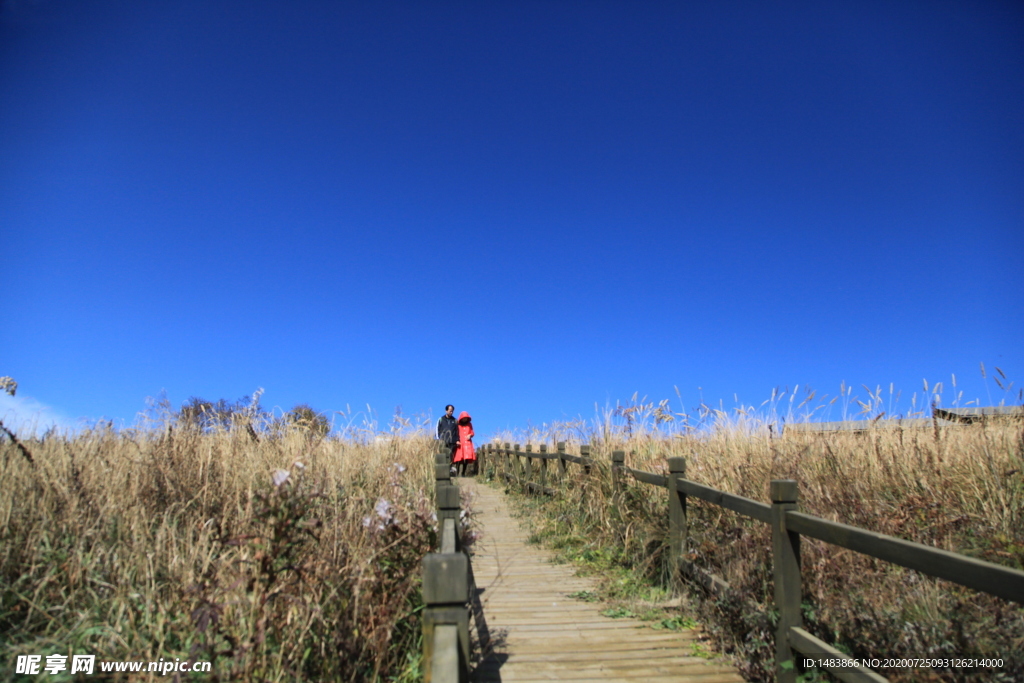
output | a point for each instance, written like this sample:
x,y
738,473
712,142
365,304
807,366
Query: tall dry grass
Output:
x,y
957,488
281,559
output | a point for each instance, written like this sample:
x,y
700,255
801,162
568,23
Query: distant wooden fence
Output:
x,y
978,414
787,525
863,426
447,580
941,417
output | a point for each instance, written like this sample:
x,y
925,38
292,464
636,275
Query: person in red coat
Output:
x,y
465,454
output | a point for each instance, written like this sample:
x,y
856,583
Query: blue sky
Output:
x,y
521,208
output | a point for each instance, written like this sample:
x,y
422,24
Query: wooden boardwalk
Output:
x,y
538,633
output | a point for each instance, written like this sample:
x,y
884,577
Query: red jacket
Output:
x,y
465,452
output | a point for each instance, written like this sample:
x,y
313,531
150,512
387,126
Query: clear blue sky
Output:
x,y
521,208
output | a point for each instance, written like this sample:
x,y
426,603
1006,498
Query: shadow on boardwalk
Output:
x,y
488,645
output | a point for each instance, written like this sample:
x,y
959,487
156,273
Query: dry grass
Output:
x,y
177,543
958,488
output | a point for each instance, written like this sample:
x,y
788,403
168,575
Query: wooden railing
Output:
x,y
447,581
788,524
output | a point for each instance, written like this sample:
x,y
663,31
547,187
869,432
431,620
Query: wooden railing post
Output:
x,y
561,461
442,468
618,461
786,570
518,464
507,459
543,468
445,618
585,453
449,536
529,466
449,507
677,530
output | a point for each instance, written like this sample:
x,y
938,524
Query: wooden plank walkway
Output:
x,y
538,633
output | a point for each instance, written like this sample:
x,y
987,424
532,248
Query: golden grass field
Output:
x,y
958,488
281,555
176,543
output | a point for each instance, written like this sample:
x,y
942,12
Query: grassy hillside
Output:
x,y
279,557
957,488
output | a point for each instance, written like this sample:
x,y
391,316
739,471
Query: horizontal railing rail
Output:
x,y
744,506
647,477
980,575
788,525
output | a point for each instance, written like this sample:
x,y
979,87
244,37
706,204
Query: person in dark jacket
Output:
x,y
448,431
